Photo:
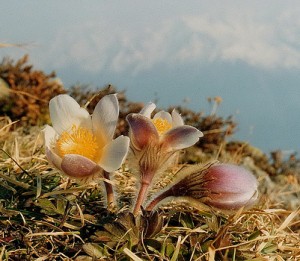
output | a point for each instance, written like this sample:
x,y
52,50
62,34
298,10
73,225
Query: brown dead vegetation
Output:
x,y
42,217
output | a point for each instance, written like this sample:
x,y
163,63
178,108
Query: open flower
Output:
x,y
155,140
81,145
223,186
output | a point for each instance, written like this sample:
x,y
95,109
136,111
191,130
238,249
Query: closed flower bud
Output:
x,y
230,186
223,186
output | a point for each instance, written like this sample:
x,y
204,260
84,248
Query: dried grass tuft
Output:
x,y
41,220
44,216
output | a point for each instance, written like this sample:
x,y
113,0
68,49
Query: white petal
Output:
x,y
181,137
66,112
114,154
148,109
163,115
105,117
49,135
176,119
53,158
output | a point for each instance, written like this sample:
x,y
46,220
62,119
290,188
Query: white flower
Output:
x,y
80,144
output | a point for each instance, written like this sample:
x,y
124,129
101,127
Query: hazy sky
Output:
x,y
247,52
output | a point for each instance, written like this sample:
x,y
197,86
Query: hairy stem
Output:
x,y
109,192
162,196
141,197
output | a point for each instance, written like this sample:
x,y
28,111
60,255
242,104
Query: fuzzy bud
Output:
x,y
230,186
223,186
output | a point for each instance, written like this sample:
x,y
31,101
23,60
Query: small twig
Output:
x,y
29,95
131,254
24,171
66,212
95,95
74,233
15,182
67,191
8,125
4,45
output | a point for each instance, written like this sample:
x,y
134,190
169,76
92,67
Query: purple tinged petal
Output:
x,y
114,154
77,166
148,109
181,137
231,186
142,130
105,117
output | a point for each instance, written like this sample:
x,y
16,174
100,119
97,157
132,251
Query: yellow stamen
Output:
x,y
80,141
162,125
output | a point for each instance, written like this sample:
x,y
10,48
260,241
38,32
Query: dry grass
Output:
x,y
44,216
40,220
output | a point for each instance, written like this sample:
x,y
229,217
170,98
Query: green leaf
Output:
x,y
49,208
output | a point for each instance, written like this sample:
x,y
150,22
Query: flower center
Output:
x,y
79,141
162,125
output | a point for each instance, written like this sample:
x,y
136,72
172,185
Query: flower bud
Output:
x,y
229,186
223,186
